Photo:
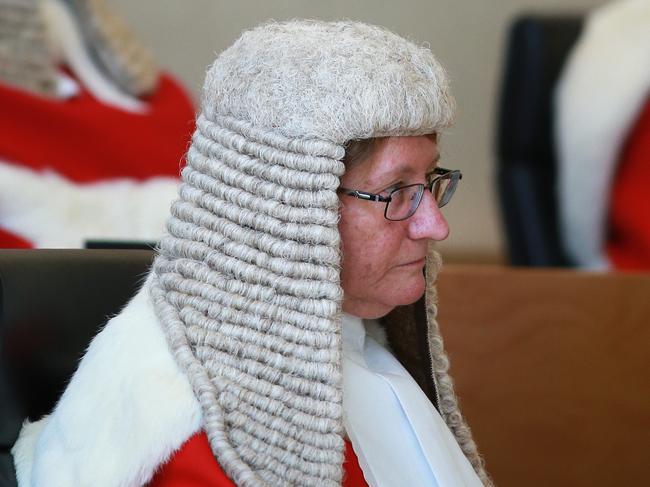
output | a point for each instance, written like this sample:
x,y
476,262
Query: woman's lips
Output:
x,y
417,262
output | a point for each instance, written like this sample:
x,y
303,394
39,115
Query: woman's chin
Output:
x,y
383,299
408,292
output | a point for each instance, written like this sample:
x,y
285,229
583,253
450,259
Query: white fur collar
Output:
x,y
603,87
126,410
50,211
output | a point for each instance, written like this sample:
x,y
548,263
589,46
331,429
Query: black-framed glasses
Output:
x,y
403,202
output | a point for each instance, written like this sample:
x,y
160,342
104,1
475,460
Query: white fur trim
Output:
x,y
126,410
23,450
51,211
601,91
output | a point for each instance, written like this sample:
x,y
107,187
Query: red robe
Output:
x,y
628,244
86,141
194,465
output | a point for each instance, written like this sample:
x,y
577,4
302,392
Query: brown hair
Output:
x,y
360,149
357,151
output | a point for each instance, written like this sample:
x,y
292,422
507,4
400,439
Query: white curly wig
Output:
x,y
335,81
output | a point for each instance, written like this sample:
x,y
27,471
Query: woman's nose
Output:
x,y
428,221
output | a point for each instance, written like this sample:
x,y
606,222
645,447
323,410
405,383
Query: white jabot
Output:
x,y
397,434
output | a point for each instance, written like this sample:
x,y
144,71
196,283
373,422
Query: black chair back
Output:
x,y
52,302
537,48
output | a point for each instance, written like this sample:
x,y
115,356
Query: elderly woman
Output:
x,y
251,356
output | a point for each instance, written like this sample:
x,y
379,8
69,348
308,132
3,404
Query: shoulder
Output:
x,y
126,409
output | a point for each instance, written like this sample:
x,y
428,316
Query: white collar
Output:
x,y
353,333
397,434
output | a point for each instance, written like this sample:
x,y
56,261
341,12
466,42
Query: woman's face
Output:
x,y
383,260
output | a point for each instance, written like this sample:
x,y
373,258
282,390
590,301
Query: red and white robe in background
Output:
x,y
77,169
603,134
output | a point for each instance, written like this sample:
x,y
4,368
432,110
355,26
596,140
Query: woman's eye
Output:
x,y
393,187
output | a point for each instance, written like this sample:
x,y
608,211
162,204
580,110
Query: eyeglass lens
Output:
x,y
442,190
405,201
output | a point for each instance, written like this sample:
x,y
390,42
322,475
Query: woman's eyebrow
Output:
x,y
435,161
398,173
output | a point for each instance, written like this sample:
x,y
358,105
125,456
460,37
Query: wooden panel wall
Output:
x,y
553,372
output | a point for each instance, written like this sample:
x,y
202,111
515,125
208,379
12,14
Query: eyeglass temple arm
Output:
x,y
451,172
365,196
